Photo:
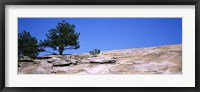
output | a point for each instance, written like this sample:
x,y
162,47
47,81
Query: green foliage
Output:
x,y
27,45
94,52
61,38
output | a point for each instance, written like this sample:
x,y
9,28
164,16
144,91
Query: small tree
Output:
x,y
27,45
61,38
94,52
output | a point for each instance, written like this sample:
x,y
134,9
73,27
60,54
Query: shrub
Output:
x,y
94,52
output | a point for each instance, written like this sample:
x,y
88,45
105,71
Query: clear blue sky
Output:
x,y
110,33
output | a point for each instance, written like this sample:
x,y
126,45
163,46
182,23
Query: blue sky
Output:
x,y
110,33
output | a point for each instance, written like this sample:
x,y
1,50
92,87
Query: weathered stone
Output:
x,y
31,68
68,57
45,57
109,61
37,61
50,60
23,58
25,64
101,60
61,63
154,60
73,61
84,61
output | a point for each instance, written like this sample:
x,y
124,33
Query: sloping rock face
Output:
x,y
153,60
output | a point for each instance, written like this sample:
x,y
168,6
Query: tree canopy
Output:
x,y
27,45
62,37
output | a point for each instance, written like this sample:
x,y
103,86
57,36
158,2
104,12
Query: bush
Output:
x,y
94,52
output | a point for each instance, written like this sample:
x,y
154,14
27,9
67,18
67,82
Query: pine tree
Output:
x,y
27,45
61,38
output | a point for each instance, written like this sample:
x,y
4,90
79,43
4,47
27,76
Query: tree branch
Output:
x,y
71,47
50,52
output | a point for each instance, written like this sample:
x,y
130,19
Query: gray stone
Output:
x,y
61,63
66,57
37,61
101,60
109,61
44,57
25,64
23,58
31,68
85,61
73,61
50,60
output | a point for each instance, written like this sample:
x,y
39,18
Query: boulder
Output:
x,y
41,68
101,60
23,58
73,61
109,61
50,60
61,63
68,57
25,64
85,61
44,57
37,61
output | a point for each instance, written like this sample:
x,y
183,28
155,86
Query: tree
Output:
x,y
94,52
27,45
62,37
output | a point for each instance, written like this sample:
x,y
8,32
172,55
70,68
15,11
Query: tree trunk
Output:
x,y
61,52
61,49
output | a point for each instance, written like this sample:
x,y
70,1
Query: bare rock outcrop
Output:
x,y
101,60
152,60
23,58
35,68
